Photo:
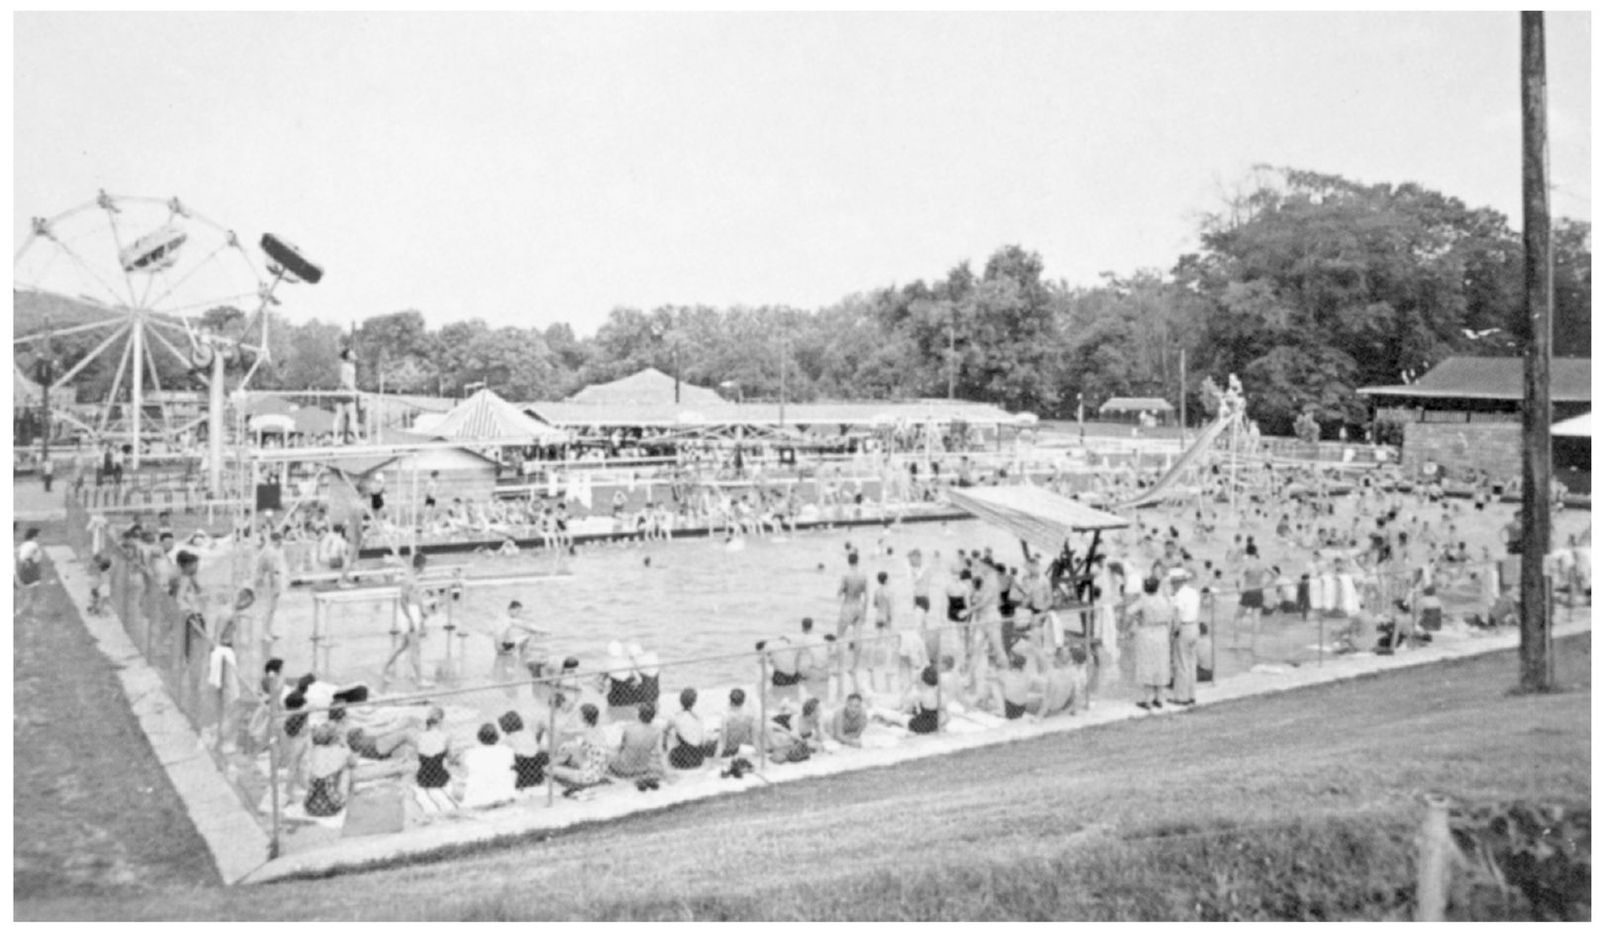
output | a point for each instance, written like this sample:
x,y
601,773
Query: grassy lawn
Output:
x,y
1293,806
94,814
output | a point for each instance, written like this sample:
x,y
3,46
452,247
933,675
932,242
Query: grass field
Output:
x,y
94,812
1293,806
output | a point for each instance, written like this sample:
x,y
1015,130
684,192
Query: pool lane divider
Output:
x,y
237,843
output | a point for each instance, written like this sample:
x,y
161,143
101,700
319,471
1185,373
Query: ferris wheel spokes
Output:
x,y
70,330
117,382
94,353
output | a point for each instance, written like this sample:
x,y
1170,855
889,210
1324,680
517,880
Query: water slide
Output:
x,y
1196,451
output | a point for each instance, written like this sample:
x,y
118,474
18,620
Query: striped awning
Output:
x,y
485,417
1038,516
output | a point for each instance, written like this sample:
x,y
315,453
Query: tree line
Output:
x,y
1304,284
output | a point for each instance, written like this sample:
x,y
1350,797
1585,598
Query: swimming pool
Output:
x,y
683,599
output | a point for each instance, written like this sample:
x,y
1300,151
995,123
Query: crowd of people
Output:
x,y
923,639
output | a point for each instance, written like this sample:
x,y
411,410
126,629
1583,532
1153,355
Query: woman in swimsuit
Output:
x,y
926,716
529,761
329,768
433,753
684,737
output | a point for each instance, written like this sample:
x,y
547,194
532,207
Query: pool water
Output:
x,y
684,599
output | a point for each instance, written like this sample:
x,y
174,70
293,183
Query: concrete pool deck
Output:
x,y
239,846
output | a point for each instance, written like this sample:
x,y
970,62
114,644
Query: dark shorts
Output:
x,y
784,679
429,501
1014,711
684,756
1250,599
923,603
377,501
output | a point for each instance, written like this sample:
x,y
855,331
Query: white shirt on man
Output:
x,y
1186,601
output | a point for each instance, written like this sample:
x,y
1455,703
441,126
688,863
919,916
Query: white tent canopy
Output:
x,y
487,418
1573,426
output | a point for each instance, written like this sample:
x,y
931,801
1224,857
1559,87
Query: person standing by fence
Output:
x,y
1185,636
272,576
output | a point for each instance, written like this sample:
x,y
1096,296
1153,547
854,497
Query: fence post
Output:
x,y
1322,632
762,738
1433,855
275,682
552,743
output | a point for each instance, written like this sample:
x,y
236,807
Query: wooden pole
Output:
x,y
1182,398
1534,650
1434,847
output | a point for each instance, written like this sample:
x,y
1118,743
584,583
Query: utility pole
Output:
x,y
45,374
951,356
1536,671
1182,398
781,418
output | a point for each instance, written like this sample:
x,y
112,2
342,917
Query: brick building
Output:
x,y
1468,413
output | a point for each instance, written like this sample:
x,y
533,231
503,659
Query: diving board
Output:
x,y
1037,516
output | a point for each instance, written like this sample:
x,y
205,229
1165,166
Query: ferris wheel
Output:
x,y
142,274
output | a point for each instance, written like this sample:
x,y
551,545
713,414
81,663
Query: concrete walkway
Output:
x,y
238,843
534,816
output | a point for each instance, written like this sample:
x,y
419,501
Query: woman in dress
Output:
x,y
1152,631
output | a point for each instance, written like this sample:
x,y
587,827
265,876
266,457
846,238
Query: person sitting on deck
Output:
x,y
1065,683
488,771
434,751
684,737
396,739
847,725
581,764
329,773
639,756
529,760
737,727
1014,691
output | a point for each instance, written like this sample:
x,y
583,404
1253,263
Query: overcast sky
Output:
x,y
531,169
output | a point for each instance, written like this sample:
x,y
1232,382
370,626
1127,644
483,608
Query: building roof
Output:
x,y
820,413
648,386
1133,404
1038,516
485,417
1491,379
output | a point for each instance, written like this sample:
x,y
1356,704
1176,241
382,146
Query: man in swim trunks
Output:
x,y
786,679
513,644
854,591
